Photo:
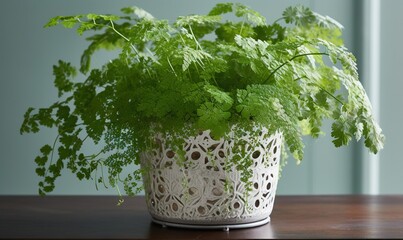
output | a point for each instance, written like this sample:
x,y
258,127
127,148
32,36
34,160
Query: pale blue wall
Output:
x,y
28,52
391,114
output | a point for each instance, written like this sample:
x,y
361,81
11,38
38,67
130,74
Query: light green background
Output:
x,y
28,51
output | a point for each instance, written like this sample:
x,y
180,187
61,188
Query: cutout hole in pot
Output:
x,y
161,188
170,154
175,207
257,203
221,154
217,192
201,210
256,154
195,155
192,190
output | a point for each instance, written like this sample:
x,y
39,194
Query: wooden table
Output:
x,y
98,217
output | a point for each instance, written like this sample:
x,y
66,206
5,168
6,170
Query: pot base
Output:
x,y
224,227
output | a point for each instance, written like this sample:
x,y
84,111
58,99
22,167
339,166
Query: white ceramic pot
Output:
x,y
200,188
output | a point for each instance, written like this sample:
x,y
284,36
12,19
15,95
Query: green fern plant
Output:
x,y
200,71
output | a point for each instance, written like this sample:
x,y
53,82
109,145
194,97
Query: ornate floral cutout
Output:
x,y
202,186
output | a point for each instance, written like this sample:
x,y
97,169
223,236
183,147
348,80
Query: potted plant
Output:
x,y
205,105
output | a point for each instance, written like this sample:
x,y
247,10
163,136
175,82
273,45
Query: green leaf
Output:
x,y
340,133
46,149
48,189
41,160
327,22
250,15
85,26
92,16
221,8
273,33
52,22
196,20
40,171
63,72
299,15
228,31
195,56
69,23
222,98
80,175
45,117
108,40
30,123
138,12
213,117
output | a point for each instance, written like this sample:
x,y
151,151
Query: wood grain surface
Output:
x,y
98,217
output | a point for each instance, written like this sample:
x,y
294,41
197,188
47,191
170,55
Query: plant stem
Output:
x,y
329,93
125,38
194,38
240,31
291,59
121,200
173,70
279,19
338,100
116,31
52,153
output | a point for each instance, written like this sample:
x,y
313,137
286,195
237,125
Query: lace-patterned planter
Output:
x,y
200,188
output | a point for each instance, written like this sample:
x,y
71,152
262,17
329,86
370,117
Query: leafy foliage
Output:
x,y
203,72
